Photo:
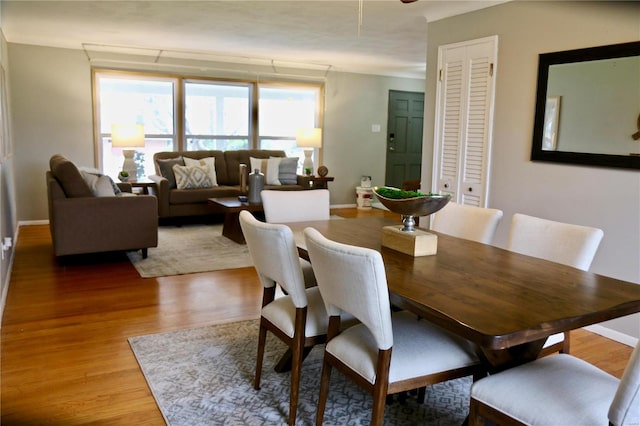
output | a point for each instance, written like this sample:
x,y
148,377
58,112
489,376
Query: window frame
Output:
x,y
179,107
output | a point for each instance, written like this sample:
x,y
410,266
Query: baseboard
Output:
x,y
32,222
5,287
613,335
7,277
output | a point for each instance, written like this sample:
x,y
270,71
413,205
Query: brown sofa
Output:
x,y
173,202
81,222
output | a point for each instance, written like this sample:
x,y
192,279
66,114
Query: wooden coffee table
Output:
x,y
231,207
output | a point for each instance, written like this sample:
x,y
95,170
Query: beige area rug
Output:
x,y
203,376
188,249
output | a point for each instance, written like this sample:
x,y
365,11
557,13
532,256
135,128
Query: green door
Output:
x,y
404,137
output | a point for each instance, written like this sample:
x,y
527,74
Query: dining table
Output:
x,y
505,302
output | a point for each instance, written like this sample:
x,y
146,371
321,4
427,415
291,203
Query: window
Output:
x,y
217,116
190,114
131,100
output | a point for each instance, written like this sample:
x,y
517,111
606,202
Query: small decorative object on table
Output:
x,y
123,176
307,171
256,185
407,238
323,171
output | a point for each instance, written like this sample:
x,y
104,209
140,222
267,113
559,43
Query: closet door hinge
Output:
x,y
440,75
491,69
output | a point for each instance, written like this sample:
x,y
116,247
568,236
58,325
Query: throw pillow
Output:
x,y
273,170
208,161
287,172
166,169
94,171
269,167
258,163
192,177
100,185
103,187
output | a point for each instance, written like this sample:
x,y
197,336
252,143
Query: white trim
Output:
x,y
32,222
343,206
7,278
612,334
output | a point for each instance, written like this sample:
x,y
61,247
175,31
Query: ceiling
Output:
x,y
384,37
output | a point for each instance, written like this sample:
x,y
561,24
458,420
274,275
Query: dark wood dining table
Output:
x,y
507,303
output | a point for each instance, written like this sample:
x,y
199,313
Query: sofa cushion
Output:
x,y
288,170
192,177
71,181
208,161
166,169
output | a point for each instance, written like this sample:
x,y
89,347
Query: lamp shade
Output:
x,y
127,135
309,138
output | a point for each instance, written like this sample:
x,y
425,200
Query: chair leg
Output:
x,y
379,400
144,253
566,343
381,386
262,338
474,418
297,352
324,391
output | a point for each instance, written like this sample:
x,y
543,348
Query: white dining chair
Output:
x,y
558,390
569,244
295,206
298,318
384,354
468,222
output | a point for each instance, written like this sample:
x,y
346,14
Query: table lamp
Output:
x,y
128,136
309,138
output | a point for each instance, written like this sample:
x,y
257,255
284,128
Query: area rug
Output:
x,y
188,249
204,376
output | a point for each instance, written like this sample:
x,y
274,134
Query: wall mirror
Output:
x,y
588,107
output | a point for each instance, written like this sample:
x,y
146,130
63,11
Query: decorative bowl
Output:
x,y
420,205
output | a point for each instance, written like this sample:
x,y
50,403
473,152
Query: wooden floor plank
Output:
x,y
64,352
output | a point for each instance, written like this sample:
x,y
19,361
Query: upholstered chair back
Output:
x,y
468,222
295,206
275,256
565,243
364,294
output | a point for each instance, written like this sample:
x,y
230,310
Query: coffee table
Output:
x,y
231,207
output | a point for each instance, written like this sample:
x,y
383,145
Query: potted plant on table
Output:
x,y
123,176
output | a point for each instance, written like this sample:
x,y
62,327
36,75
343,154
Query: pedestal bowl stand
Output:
x,y
407,238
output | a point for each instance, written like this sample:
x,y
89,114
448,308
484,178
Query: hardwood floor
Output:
x,y
64,353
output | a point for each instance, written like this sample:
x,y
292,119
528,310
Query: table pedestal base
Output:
x,y
415,243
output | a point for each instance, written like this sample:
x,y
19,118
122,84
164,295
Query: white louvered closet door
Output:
x,y
464,113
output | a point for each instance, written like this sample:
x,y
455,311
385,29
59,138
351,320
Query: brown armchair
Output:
x,y
83,223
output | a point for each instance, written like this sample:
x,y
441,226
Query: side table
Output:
x,y
143,184
317,182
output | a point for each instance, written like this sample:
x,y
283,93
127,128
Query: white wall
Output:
x,y
600,197
52,114
354,102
